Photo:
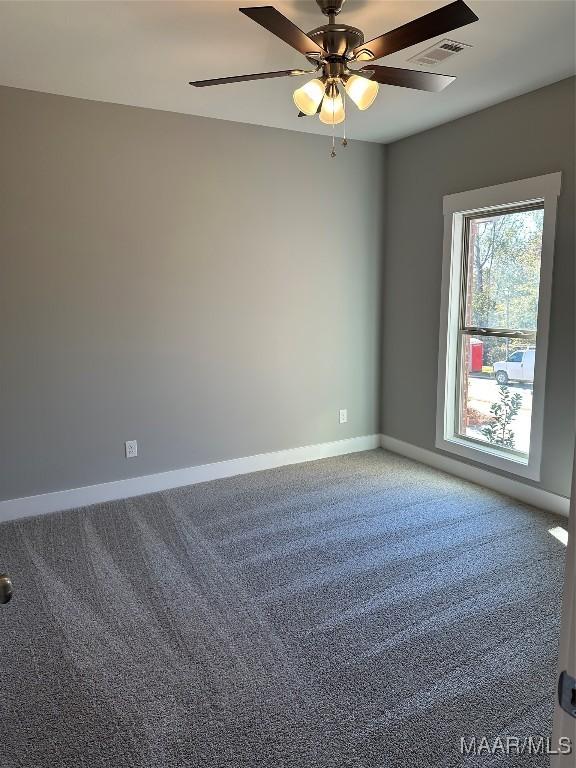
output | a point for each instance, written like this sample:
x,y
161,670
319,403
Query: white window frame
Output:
x,y
456,207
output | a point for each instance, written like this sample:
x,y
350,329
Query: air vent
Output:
x,y
438,52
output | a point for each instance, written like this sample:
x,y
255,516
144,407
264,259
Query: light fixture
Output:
x,y
324,96
308,97
361,90
332,111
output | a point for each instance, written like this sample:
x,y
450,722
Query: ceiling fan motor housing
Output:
x,y
338,40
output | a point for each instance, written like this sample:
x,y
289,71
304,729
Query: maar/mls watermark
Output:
x,y
515,745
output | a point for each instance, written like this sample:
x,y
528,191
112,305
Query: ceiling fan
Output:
x,y
332,47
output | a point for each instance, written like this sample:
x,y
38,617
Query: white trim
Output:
x,y
543,188
528,494
510,193
137,486
564,725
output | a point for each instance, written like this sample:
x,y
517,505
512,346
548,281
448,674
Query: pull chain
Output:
x,y
345,140
333,153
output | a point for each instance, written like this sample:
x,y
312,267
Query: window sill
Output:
x,y
486,457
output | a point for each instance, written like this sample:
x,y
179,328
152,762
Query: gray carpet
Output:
x,y
362,611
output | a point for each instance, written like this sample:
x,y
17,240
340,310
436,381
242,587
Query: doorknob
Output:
x,y
5,588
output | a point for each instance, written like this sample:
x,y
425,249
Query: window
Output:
x,y
498,250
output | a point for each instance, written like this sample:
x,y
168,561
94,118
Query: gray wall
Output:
x,y
208,288
185,282
527,136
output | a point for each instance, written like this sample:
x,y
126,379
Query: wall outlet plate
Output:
x,y
131,448
343,415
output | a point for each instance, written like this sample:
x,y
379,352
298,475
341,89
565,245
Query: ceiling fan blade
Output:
x,y
272,20
258,76
409,78
445,19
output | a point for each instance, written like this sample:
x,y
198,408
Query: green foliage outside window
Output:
x,y
504,277
498,431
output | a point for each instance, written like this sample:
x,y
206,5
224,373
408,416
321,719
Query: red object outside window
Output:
x,y
476,355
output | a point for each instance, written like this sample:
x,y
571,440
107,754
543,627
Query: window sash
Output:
x,y
466,330
535,205
507,333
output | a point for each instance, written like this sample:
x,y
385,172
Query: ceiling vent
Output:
x,y
438,52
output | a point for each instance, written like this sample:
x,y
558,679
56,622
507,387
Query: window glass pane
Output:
x,y
495,392
503,269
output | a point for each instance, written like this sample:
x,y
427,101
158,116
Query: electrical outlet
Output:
x,y
343,415
131,449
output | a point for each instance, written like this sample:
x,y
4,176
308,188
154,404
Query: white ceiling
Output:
x,y
144,54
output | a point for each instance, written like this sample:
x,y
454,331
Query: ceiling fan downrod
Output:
x,y
330,8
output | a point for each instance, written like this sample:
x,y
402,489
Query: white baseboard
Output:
x,y
537,497
58,501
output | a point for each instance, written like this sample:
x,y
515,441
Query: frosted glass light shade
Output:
x,y
308,97
332,111
362,91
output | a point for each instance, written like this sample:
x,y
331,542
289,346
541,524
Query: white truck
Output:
x,y
518,367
